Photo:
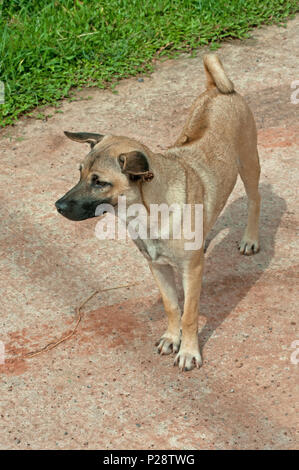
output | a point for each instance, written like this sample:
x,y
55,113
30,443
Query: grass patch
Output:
x,y
49,46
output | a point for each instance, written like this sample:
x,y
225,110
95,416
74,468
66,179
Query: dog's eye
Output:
x,y
98,183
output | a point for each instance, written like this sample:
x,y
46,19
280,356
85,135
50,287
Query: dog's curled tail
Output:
x,y
215,74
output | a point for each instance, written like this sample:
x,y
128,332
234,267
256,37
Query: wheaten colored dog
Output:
x,y
217,143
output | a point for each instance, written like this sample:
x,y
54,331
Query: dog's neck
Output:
x,y
168,184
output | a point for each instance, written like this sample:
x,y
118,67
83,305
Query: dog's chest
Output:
x,y
153,250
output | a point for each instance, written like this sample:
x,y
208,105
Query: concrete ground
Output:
x,y
107,387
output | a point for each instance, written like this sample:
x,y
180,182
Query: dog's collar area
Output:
x,y
140,184
144,176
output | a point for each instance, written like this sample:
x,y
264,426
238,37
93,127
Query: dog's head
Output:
x,y
112,168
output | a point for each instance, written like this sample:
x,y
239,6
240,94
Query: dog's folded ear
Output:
x,y
87,137
135,164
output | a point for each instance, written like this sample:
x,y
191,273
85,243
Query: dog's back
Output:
x,y
219,130
219,113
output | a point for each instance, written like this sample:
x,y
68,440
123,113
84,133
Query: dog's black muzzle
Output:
x,y
74,206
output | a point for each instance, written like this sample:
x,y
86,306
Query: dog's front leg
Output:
x,y
189,354
164,276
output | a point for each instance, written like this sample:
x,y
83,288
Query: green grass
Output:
x,y
47,47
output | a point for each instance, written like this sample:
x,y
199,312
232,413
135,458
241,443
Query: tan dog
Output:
x,y
218,142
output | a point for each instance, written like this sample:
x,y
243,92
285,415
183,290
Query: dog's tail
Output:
x,y
216,77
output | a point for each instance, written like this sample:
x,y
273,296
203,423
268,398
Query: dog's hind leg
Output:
x,y
249,169
164,276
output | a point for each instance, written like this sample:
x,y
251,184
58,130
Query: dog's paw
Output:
x,y
249,246
168,344
187,360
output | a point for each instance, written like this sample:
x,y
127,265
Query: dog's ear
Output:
x,y
87,137
135,164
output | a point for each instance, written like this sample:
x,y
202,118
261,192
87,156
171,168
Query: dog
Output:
x,y
218,142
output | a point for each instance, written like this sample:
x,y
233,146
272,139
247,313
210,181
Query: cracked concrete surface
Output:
x,y
106,388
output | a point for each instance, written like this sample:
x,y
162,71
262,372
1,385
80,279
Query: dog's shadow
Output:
x,y
237,273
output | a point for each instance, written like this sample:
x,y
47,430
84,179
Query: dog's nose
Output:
x,y
61,206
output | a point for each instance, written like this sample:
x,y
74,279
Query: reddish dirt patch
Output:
x,y
108,327
278,137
